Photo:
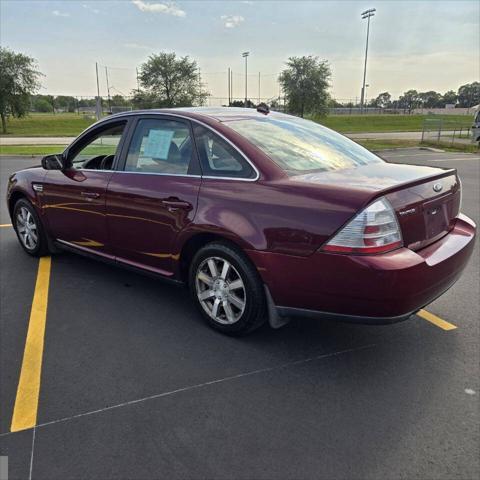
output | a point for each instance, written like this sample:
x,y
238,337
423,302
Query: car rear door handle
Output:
x,y
90,194
173,203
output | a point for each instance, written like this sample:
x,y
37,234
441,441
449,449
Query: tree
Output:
x,y
469,95
170,81
305,83
65,103
430,99
41,104
449,98
241,103
383,100
19,79
409,100
120,101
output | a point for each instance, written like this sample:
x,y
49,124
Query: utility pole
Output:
x,y
245,56
231,86
258,87
366,15
229,100
98,105
138,82
108,92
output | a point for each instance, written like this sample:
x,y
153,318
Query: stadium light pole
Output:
x,y
245,56
366,15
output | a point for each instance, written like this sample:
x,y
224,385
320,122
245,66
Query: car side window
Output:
x,y
160,146
99,153
218,158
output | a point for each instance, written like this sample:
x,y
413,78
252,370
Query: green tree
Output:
x,y
469,95
120,101
449,97
19,80
41,104
241,103
383,100
430,99
65,103
305,83
409,100
170,81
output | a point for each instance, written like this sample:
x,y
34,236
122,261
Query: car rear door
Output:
x,y
154,193
74,199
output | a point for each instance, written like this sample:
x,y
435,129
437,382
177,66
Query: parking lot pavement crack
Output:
x,y
204,384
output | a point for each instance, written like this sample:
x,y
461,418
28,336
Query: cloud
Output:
x,y
137,46
88,7
167,8
232,21
57,13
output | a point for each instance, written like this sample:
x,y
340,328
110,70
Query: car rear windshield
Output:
x,y
300,146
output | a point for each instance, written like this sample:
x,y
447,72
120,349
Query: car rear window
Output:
x,y
300,146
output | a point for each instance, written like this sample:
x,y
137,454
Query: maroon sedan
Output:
x,y
263,215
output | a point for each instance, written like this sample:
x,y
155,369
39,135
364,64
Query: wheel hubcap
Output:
x,y
27,228
220,290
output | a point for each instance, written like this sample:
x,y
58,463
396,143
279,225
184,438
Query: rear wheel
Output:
x,y
227,289
29,229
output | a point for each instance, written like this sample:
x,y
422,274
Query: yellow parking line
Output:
x,y
430,317
26,403
6,225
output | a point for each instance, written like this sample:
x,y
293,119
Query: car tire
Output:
x,y
227,289
29,229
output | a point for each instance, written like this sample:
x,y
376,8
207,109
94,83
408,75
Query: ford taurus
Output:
x,y
263,215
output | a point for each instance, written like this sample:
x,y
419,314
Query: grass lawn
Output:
x,y
30,149
376,145
370,144
387,123
71,124
48,125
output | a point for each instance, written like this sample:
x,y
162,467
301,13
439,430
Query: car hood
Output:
x,y
372,178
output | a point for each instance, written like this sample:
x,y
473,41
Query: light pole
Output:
x,y
245,56
366,14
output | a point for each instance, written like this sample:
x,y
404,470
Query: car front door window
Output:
x,y
99,153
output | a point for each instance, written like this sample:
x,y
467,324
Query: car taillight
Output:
x,y
375,229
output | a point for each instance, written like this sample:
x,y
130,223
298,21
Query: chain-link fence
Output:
x,y
445,131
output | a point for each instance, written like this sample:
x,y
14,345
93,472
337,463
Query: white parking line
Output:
x,y
201,385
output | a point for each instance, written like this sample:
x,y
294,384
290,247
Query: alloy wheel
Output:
x,y
27,228
220,290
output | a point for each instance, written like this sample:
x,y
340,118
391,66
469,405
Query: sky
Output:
x,y
425,45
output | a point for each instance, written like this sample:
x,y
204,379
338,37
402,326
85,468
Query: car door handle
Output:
x,y
90,194
173,203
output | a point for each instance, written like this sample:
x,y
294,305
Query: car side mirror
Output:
x,y
54,162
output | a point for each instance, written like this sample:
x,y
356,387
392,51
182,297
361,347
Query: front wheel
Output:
x,y
227,289
29,229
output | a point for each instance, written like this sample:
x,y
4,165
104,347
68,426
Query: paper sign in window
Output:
x,y
158,144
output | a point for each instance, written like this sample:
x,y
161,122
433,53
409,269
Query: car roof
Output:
x,y
221,114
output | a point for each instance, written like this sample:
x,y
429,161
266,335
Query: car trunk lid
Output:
x,y
425,199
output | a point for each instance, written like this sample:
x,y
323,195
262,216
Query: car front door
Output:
x,y
74,199
153,196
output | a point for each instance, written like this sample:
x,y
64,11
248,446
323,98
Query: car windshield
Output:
x,y
301,146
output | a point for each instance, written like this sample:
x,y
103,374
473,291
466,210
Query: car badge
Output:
x,y
437,187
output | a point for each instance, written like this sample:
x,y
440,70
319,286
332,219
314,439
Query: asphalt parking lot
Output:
x,y
134,385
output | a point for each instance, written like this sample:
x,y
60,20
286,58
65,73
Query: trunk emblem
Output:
x,y
437,187
410,211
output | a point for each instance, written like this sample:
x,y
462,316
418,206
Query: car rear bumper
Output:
x,y
383,288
